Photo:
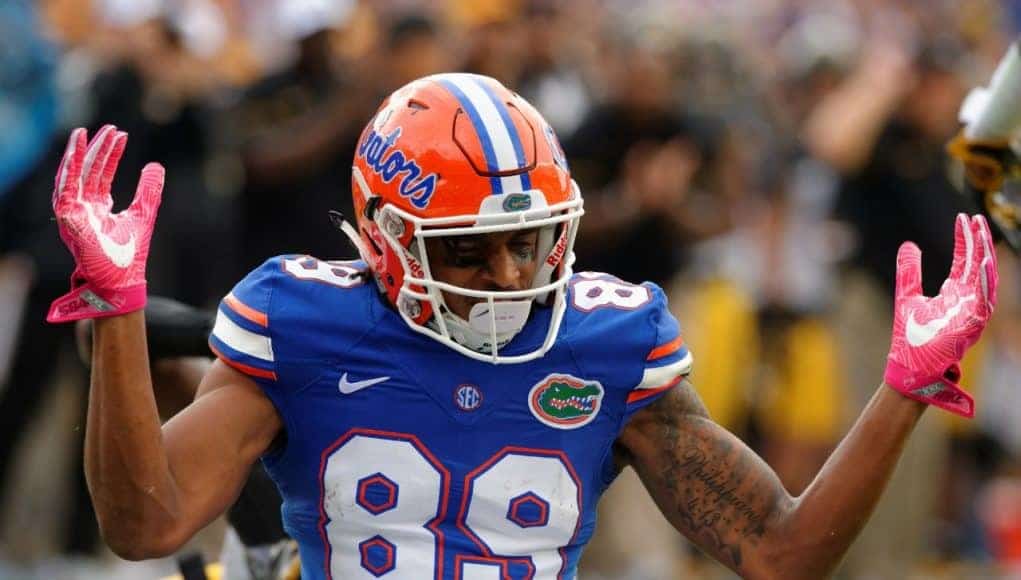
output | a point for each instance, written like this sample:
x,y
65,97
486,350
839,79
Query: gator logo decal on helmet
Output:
x,y
517,202
565,402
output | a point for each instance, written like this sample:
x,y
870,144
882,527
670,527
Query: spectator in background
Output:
x,y
650,173
789,248
28,103
653,184
495,39
414,46
883,131
131,67
898,188
32,269
294,131
553,75
297,129
162,90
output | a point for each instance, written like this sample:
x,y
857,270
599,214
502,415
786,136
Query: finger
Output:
x,y
909,271
66,183
989,279
980,249
963,244
149,192
95,157
988,276
120,141
983,235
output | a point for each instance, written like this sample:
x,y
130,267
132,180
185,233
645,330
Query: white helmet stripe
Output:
x,y
496,133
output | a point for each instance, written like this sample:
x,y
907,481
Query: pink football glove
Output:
x,y
109,249
930,335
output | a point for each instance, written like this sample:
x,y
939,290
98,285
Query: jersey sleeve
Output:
x,y
666,363
241,335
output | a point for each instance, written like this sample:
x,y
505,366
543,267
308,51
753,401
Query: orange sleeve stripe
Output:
x,y
641,394
246,369
246,311
665,349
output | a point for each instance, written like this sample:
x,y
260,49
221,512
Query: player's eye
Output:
x,y
524,251
466,252
467,260
523,245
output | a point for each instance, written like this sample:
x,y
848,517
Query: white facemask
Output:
x,y
500,315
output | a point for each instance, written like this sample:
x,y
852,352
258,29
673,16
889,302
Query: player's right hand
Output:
x,y
931,335
109,249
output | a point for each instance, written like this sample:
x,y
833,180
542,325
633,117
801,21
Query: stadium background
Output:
x,y
760,159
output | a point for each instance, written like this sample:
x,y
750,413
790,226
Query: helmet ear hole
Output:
x,y
371,205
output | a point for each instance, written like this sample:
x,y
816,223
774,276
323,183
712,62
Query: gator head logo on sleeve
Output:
x,y
565,402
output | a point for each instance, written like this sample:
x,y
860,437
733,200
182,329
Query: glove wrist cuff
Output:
x,y
88,301
936,390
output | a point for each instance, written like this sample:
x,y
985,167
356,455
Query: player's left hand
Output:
x,y
109,249
931,335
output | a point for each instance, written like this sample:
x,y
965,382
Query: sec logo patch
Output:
x,y
467,397
565,402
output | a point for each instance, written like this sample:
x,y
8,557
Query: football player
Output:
x,y
453,404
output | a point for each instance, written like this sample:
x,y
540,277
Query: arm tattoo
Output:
x,y
706,481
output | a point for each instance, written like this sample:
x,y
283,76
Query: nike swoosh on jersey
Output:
x,y
920,334
347,387
121,255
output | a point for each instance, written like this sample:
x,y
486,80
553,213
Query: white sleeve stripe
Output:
x,y
241,340
658,376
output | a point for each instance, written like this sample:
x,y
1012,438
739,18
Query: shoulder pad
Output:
x,y
629,330
284,298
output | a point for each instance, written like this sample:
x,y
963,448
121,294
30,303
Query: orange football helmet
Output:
x,y
456,154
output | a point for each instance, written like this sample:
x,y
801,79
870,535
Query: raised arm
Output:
x,y
177,337
153,487
722,496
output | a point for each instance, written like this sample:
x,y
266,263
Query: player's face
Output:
x,y
501,261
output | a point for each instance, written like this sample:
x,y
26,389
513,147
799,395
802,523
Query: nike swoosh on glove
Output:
x,y
931,335
109,249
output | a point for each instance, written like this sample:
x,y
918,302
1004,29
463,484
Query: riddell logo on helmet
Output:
x,y
414,266
558,251
387,162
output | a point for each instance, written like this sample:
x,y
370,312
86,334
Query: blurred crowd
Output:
x,y
760,160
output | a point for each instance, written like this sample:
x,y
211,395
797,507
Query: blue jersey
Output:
x,y
404,459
